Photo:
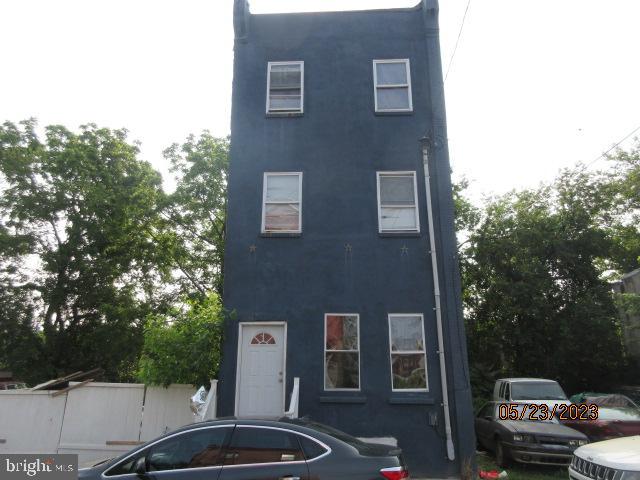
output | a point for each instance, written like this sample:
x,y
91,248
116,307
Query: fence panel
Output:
x,y
30,422
102,420
166,409
95,420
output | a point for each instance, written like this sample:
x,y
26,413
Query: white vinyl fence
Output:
x,y
96,420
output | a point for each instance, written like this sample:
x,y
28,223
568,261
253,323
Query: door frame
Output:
x,y
241,326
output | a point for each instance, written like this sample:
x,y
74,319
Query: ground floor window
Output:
x,y
341,352
408,358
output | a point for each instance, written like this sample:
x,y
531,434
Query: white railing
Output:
x,y
295,400
209,410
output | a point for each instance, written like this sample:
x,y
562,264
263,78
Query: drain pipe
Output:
x,y
451,455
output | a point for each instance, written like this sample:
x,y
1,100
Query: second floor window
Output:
x,y
282,202
397,202
285,87
392,80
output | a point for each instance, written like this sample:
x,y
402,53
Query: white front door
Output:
x,y
260,391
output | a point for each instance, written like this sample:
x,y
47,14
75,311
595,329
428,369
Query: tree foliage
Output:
x,y
535,273
538,306
196,211
90,245
78,211
184,345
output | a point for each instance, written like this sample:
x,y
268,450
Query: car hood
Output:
x,y
542,428
620,453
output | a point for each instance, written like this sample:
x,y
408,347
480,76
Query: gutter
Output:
x,y
451,455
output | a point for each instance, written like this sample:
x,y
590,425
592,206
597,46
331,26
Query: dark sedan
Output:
x,y
234,449
526,441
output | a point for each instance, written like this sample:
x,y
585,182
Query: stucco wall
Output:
x,y
340,263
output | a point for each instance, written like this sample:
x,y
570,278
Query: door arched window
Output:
x,y
263,338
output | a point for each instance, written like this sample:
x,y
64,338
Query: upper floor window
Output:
x,y
397,202
282,202
392,80
285,87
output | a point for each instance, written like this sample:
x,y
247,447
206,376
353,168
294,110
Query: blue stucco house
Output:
x,y
341,253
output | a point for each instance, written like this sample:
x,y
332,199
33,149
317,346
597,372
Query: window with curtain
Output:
x,y
282,202
392,80
342,352
397,202
285,87
408,355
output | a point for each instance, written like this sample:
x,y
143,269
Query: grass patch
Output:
x,y
522,472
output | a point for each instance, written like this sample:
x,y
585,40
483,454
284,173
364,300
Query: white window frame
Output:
x,y
324,354
380,174
424,352
264,202
407,85
280,111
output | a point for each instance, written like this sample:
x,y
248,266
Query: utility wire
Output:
x,y
455,48
602,155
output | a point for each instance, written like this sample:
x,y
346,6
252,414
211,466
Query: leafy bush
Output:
x,y
183,346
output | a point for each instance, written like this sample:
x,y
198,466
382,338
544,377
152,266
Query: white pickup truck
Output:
x,y
617,459
529,390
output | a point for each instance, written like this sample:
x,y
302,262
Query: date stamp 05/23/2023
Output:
x,y
546,412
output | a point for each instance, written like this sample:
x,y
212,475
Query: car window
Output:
x,y
310,448
195,449
125,467
262,445
507,393
537,391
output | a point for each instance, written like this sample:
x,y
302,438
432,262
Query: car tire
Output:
x,y
502,455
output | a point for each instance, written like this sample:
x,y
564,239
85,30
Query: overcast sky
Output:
x,y
535,85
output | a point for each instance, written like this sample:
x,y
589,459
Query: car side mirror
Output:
x,y
140,467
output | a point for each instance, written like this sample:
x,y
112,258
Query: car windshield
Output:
x,y
613,401
619,414
537,391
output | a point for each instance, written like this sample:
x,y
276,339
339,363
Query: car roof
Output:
x,y
525,379
280,422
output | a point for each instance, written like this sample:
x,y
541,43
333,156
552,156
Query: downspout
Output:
x,y
451,455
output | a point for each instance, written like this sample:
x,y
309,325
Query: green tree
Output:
x,y
196,212
621,183
183,346
83,207
19,342
535,300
